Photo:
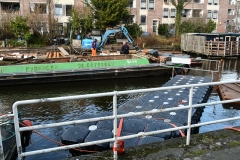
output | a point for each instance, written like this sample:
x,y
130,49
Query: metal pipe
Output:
x,y
17,132
115,156
124,115
189,116
123,137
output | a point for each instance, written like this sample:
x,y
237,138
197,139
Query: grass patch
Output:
x,y
196,153
234,143
206,140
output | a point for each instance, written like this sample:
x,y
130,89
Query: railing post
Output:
x,y
115,156
172,72
189,116
17,133
1,145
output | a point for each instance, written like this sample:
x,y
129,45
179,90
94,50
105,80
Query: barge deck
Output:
x,y
229,91
83,68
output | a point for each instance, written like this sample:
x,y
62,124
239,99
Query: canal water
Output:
x,y
45,113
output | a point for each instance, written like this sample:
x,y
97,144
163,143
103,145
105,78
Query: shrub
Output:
x,y
177,47
155,41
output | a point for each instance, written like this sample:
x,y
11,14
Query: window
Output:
x,y
238,19
39,8
10,7
197,1
165,13
143,4
130,5
216,2
43,28
60,28
230,11
155,23
129,20
209,14
143,19
68,10
173,13
210,2
215,14
58,10
151,5
196,13
231,2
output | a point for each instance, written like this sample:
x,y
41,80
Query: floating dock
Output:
x,y
229,91
93,131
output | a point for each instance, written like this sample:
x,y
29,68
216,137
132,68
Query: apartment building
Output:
x,y
148,13
39,10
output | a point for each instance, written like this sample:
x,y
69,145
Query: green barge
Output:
x,y
92,68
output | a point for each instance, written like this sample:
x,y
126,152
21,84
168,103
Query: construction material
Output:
x,y
63,51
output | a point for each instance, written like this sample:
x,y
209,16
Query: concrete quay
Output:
x,y
216,145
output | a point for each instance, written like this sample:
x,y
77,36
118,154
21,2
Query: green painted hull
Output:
x,y
49,67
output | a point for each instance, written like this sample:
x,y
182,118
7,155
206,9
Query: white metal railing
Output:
x,y
115,116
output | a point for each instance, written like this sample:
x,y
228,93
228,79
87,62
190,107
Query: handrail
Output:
x,y
190,106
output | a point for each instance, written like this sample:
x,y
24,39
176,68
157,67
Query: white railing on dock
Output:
x,y
115,116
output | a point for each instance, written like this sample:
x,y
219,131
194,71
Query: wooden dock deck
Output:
x,y
212,44
229,91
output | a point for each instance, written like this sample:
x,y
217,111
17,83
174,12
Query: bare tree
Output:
x,y
179,4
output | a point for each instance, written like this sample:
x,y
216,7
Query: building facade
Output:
x,y
148,13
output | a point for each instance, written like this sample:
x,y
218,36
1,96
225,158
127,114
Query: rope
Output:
x,y
57,141
235,129
23,124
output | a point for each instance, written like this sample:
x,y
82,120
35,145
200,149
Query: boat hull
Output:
x,y
84,74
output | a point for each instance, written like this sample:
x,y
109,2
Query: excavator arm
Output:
x,y
130,39
126,34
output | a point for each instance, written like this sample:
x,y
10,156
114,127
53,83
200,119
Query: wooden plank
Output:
x,y
50,55
54,54
62,54
47,54
63,51
57,54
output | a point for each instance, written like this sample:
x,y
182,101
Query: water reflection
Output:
x,y
45,113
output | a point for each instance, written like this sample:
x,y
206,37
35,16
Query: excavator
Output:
x,y
87,43
126,34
